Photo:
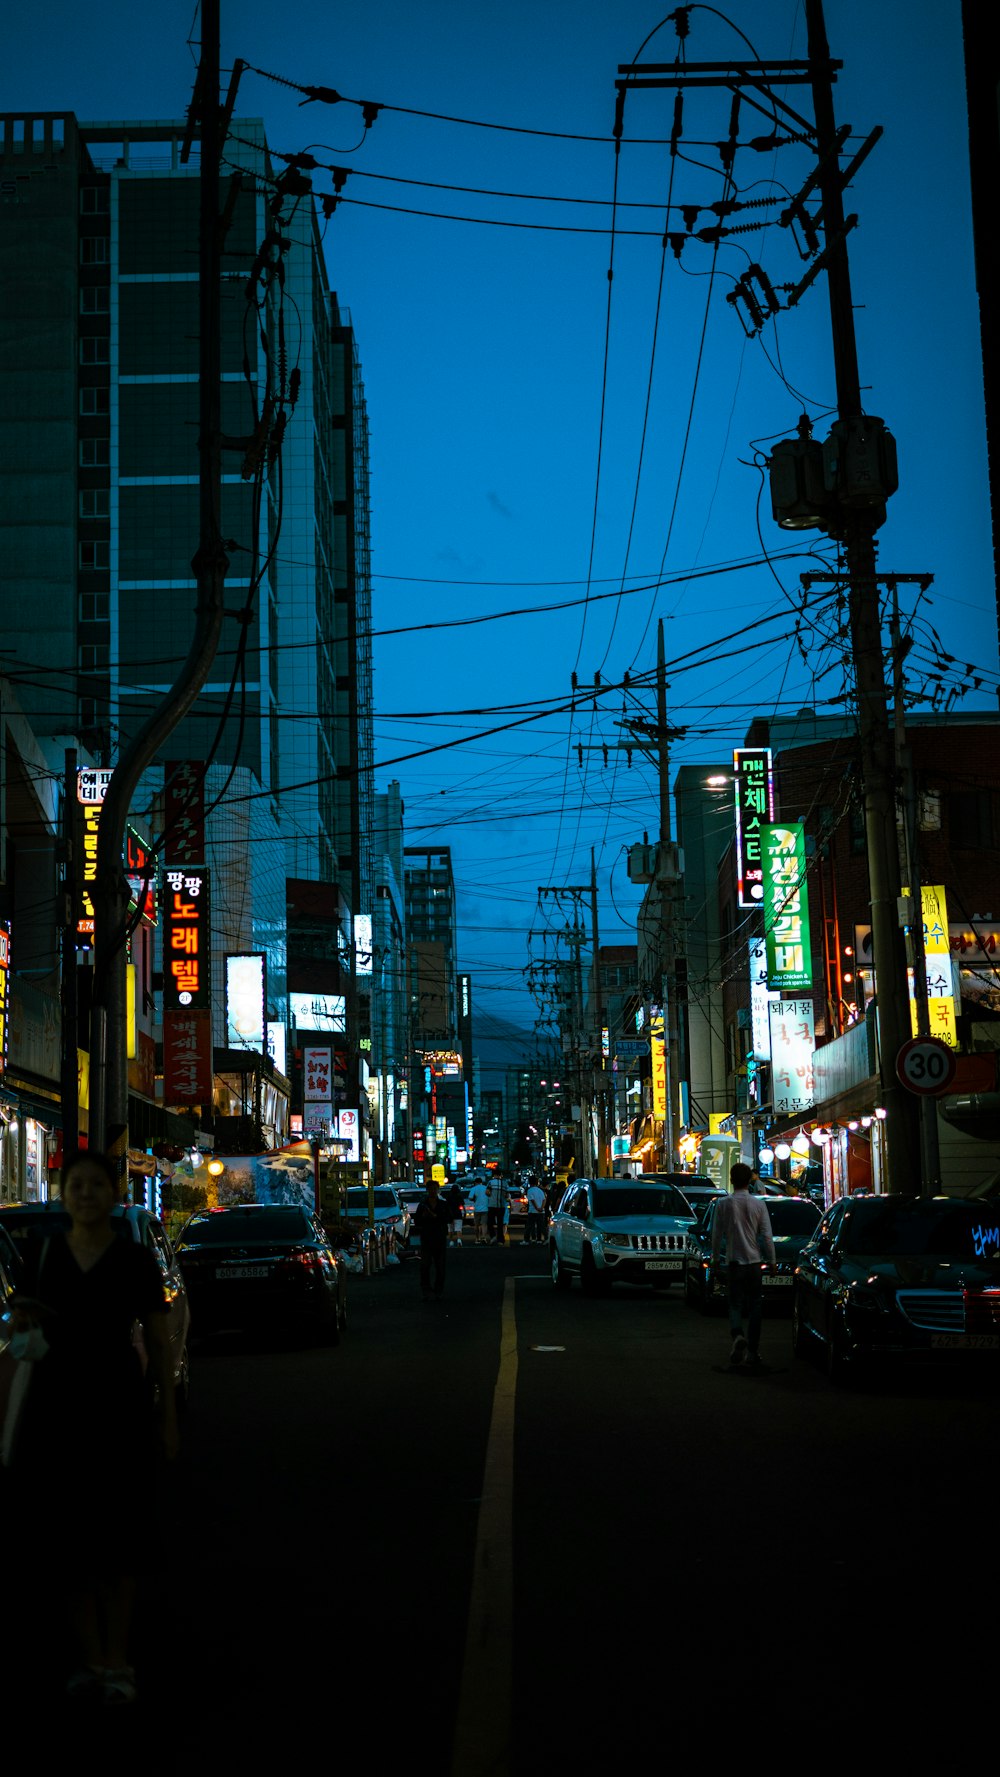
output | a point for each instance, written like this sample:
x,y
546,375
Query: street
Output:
x,y
330,1530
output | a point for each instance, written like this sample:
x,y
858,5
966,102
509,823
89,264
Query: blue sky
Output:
x,y
484,357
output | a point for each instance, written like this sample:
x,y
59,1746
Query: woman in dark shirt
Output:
x,y
88,1432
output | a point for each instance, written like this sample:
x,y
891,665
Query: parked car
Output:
x,y
898,1278
793,1222
619,1228
24,1223
698,1189
390,1210
260,1264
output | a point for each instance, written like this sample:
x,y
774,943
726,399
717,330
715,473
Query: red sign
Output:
x,y
187,935
184,810
187,1057
140,868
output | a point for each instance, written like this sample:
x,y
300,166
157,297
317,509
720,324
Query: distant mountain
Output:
x,y
499,1044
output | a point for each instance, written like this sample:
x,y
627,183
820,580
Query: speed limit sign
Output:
x,y
926,1065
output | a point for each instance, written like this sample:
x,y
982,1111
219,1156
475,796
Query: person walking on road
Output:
x,y
480,1200
430,1220
456,1214
743,1223
536,1204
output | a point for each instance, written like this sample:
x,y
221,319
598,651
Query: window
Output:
x,y
95,556
95,401
94,452
95,607
95,300
95,351
95,200
95,250
94,657
95,502
970,819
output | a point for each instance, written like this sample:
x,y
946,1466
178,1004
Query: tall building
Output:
x,y
99,495
432,937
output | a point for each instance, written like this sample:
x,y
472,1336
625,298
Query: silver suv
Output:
x,y
632,1229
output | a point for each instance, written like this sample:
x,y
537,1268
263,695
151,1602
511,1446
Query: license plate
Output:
x,y
664,1264
965,1341
769,1282
243,1271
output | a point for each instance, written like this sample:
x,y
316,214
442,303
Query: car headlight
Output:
x,y
616,1240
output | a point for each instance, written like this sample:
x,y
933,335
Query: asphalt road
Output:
x,y
517,1531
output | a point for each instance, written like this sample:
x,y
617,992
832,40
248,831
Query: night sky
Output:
x,y
484,353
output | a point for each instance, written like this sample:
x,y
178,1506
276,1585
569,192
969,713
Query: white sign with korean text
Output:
x,y
793,1045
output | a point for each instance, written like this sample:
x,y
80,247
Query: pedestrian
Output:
x,y
430,1220
743,1223
456,1213
86,1441
500,1211
480,1200
536,1205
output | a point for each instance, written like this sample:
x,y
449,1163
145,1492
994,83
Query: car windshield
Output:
x,y
223,1228
792,1215
961,1231
357,1198
641,1200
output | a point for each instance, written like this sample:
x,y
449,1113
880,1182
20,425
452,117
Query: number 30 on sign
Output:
x,y
926,1065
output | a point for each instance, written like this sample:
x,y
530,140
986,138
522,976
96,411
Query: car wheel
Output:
x,y
560,1276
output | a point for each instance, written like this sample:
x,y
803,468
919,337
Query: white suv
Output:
x,y
631,1229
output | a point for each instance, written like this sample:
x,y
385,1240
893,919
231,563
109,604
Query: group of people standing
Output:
x,y
439,1218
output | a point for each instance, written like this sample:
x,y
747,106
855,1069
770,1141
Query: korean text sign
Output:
x,y
187,939
793,1046
786,907
754,785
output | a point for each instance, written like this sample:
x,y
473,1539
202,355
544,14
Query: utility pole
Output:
x,y
602,1099
859,525
930,1149
108,1066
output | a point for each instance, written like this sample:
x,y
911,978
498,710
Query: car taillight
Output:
x,y
305,1260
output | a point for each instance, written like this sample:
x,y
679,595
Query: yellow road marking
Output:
x,y
483,1724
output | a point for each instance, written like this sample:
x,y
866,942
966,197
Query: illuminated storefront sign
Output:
x,y
786,907
760,1030
4,989
941,1006
91,787
187,1056
658,1056
276,1047
140,868
793,1046
187,954
318,1011
349,1130
246,1000
362,943
754,787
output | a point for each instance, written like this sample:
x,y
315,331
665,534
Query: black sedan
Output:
x,y
793,1222
899,1278
262,1265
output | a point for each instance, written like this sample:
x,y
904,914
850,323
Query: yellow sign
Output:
x,y
941,1014
658,1055
935,913
439,1173
715,1121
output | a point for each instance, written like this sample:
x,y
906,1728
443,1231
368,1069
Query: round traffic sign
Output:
x,y
926,1065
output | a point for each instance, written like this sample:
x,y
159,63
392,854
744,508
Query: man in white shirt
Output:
x,y
536,1203
479,1198
743,1224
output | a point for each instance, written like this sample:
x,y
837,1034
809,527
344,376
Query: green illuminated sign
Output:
x,y
786,906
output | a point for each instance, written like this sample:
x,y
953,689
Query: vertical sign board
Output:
x,y
658,1057
940,975
317,1076
4,989
793,1046
754,785
187,986
759,1027
184,810
91,787
786,907
246,1000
